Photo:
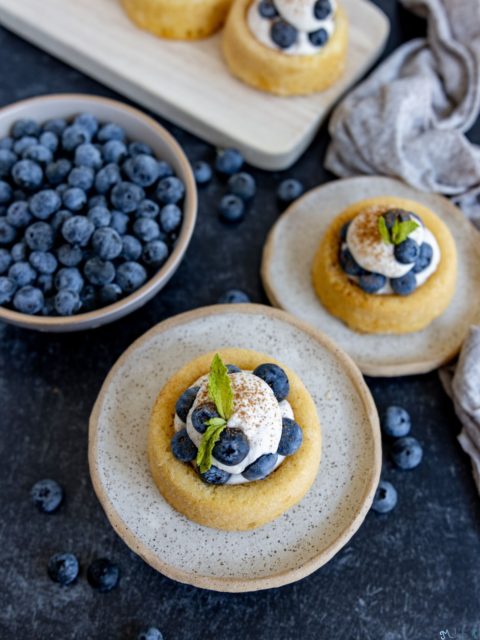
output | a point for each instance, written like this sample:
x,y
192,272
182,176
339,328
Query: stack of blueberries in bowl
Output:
x,y
87,215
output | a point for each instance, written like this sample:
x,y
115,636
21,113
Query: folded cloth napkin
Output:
x,y
409,118
463,385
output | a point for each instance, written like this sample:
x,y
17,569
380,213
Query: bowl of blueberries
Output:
x,y
97,207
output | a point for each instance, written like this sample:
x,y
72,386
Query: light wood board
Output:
x,y
188,83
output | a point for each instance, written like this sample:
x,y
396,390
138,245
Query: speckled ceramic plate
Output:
x,y
295,544
286,274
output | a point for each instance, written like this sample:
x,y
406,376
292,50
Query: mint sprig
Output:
x,y
399,232
221,393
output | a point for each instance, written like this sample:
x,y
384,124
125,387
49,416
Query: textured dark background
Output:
x,y
406,576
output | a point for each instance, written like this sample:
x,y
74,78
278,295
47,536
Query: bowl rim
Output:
x,y
130,303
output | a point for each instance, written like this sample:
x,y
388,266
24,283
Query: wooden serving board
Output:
x,y
188,83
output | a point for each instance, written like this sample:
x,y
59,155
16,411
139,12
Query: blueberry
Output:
x,y
100,216
103,575
75,135
25,127
231,368
46,286
267,9
6,143
131,276
405,285
6,192
49,139
87,155
18,214
228,161
231,208
109,294
67,302
143,170
155,253
276,378
202,172
78,230
59,218
132,248
182,447
318,38
407,452
289,190
214,475
349,265
22,273
119,222
201,415
69,278
283,34
43,261
233,296
88,297
89,121
45,203
63,568
23,144
56,172
261,467
74,198
322,9
126,196
139,148
19,252
8,286
385,497
107,178
423,260
392,215
99,272
170,190
232,447
27,174
148,209
5,260
7,160
164,169
55,125
372,282
28,300
185,401
291,439
7,232
47,495
114,151
242,185
150,634
98,201
82,178
170,218
107,243
38,153
407,251
396,422
146,229
111,131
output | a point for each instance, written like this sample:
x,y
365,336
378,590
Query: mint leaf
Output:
x,y
209,438
220,388
383,230
402,230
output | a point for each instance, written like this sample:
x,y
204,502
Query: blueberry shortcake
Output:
x,y
386,265
286,47
234,446
178,19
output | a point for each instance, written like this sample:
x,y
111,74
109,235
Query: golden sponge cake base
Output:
x,y
178,19
273,71
369,313
232,507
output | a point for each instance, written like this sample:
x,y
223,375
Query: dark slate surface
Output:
x,y
410,575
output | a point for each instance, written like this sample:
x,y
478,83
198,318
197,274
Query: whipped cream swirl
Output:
x,y
294,27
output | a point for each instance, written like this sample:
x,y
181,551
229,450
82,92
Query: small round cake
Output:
x,y
386,265
286,47
234,446
178,19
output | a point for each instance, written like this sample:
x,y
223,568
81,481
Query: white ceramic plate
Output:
x,y
286,274
295,544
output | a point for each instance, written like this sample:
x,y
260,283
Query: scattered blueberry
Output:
x,y
423,260
47,495
405,285
289,190
182,447
150,634
228,161
292,437
407,251
63,568
67,302
232,447
202,172
372,282
261,467
396,422
201,415
103,575
283,34
267,9
214,475
407,453
276,378
242,185
28,300
231,208
233,296
185,401
385,497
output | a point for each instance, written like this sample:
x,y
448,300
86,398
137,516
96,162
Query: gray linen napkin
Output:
x,y
409,118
